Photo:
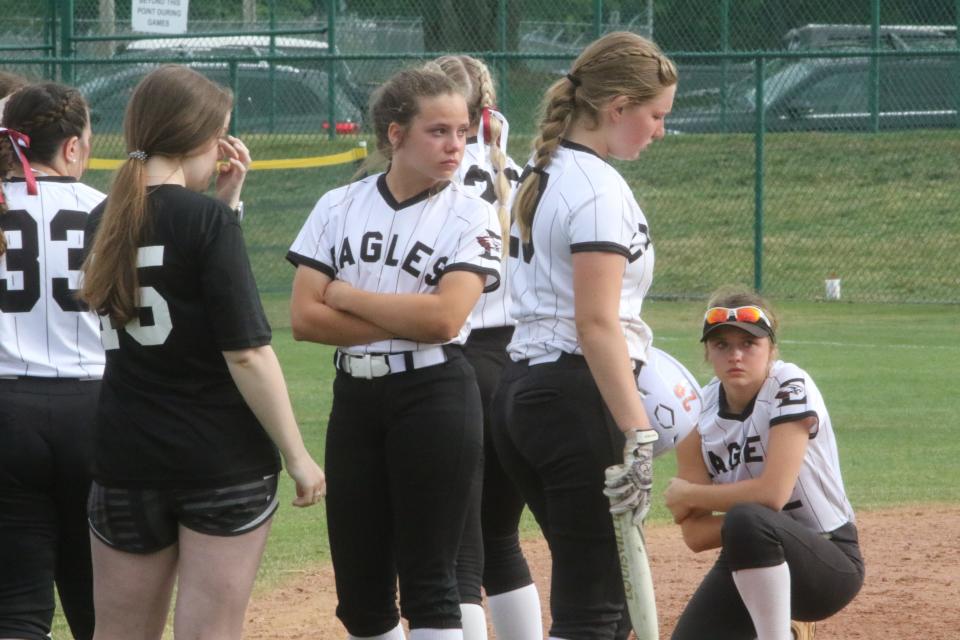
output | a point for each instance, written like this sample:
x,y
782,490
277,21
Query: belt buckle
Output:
x,y
367,367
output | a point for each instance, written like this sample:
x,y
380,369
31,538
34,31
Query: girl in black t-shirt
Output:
x,y
185,470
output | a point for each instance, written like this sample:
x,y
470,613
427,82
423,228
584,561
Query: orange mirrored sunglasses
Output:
x,y
751,314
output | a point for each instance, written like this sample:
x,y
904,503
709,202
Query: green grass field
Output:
x,y
847,204
884,371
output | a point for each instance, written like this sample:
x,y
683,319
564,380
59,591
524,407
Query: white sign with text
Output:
x,y
159,16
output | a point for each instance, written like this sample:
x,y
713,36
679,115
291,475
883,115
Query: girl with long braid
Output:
x,y
490,551
567,405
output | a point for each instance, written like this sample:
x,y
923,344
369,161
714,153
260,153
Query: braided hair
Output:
x,y
618,64
473,77
49,113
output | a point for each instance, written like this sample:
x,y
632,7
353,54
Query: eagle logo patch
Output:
x,y
492,244
792,392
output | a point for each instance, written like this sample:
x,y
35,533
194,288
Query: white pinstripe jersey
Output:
x,y
584,205
734,446
493,309
360,234
44,330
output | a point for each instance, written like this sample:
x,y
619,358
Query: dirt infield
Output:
x,y
912,591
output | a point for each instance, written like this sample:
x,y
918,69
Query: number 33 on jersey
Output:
x,y
44,329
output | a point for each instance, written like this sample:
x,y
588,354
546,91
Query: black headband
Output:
x,y
574,80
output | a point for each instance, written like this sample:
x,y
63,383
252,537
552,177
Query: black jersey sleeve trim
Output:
x,y
251,342
604,247
794,417
466,266
297,260
44,179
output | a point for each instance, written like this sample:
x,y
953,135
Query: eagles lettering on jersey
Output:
x,y
361,235
735,446
45,330
583,205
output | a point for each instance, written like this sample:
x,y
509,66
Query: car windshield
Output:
x,y
780,76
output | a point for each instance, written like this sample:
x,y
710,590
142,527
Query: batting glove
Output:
x,y
629,487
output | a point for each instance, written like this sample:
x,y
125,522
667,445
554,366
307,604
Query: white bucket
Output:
x,y
832,288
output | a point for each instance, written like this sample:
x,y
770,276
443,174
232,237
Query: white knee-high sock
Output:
x,y
436,634
394,634
766,593
474,622
516,614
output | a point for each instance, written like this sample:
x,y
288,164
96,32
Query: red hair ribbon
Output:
x,y
485,132
485,135
18,140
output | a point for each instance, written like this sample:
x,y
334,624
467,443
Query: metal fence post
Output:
x,y
272,6
331,69
597,18
66,41
235,87
724,63
761,126
875,66
50,39
503,97
956,61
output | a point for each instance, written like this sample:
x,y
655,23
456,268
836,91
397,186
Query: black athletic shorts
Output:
x,y
147,520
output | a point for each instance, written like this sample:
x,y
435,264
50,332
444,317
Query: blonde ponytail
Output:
x,y
559,109
473,77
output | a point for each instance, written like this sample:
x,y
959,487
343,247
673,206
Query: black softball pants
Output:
x,y
490,551
555,437
46,453
402,454
825,572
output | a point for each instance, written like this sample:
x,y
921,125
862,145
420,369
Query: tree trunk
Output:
x,y
249,12
108,27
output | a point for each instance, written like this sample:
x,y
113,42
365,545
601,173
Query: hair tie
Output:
x,y
138,155
574,80
18,140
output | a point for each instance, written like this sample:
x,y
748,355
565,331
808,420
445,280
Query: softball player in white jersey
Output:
x,y
51,363
760,479
388,269
490,553
569,400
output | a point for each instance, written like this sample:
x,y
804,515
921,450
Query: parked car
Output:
x,y
309,54
826,94
281,99
822,94
860,36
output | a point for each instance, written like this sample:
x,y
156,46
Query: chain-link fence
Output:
x,y
814,140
